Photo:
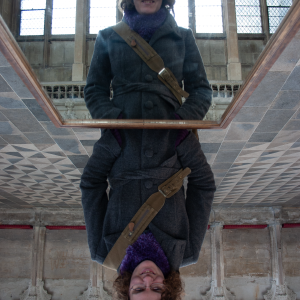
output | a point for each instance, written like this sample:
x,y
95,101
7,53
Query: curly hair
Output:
x,y
128,4
173,283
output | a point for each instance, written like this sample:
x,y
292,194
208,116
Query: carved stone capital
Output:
x,y
217,225
36,292
280,292
218,293
95,293
70,113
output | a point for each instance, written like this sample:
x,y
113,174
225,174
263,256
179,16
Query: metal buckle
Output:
x,y
170,189
163,73
163,193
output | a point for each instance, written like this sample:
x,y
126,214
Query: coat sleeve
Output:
x,y
199,197
195,83
93,187
97,89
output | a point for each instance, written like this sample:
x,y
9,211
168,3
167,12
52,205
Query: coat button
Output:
x,y
148,184
149,105
148,78
149,153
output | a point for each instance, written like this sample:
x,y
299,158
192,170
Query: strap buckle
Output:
x,y
164,73
163,193
173,184
168,189
171,80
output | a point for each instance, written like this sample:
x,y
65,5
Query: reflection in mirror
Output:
x,y
58,39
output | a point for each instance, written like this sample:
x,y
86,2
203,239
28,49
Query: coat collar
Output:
x,y
169,27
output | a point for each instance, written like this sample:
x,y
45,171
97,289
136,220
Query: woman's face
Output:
x,y
146,7
146,273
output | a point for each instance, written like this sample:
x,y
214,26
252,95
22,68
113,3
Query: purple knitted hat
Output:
x,y
146,247
145,25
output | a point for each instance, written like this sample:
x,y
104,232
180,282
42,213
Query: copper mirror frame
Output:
x,y
279,41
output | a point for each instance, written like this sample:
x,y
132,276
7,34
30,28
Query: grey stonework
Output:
x,y
233,263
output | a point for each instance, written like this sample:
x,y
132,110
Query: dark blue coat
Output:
x,y
179,226
147,157
138,93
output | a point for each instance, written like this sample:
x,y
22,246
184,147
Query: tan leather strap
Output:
x,y
143,217
151,58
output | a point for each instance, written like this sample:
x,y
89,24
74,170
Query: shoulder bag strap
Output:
x,y
151,58
143,217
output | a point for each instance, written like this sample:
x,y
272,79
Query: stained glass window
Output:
x,y
209,16
248,16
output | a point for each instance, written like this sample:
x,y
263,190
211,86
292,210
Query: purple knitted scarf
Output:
x,y
146,247
145,25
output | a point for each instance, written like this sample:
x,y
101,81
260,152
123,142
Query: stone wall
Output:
x,y
61,57
245,259
213,54
249,51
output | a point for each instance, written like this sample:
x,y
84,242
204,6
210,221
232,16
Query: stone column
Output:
x,y
192,15
6,10
218,290
119,13
95,290
79,66
234,68
279,289
36,290
47,32
265,19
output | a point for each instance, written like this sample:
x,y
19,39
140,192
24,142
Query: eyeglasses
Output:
x,y
155,287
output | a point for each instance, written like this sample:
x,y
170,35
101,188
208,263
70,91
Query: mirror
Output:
x,y
58,40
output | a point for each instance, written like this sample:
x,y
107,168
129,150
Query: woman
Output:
x,y
147,274
136,162
138,93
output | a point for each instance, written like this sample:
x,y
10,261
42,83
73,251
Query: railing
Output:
x,y
68,98
64,90
225,89
223,93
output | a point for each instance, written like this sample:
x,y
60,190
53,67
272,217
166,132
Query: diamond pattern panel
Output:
x,y
262,175
248,16
39,177
277,9
276,15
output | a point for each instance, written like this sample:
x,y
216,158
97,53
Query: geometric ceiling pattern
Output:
x,y
45,177
40,165
264,174
255,160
